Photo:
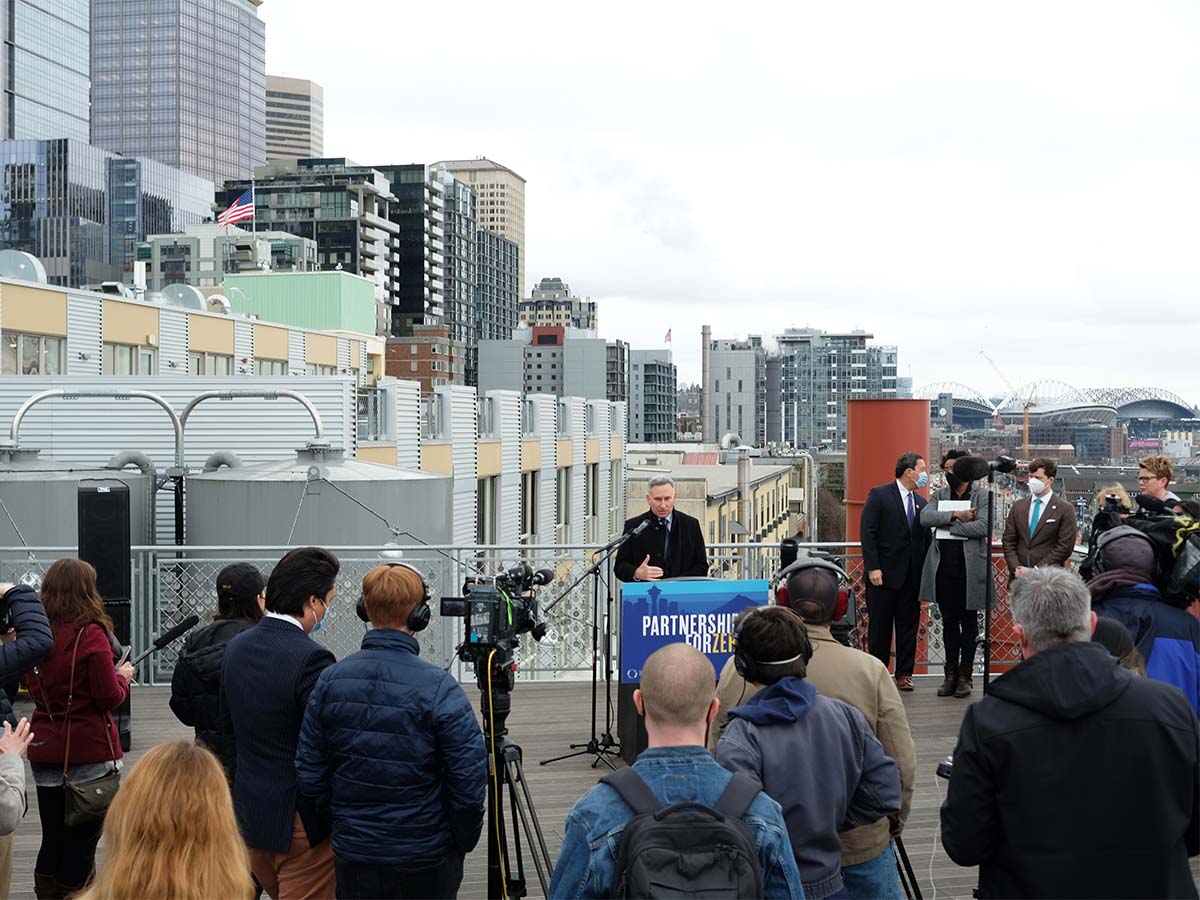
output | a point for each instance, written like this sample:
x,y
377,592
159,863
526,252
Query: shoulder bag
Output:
x,y
86,801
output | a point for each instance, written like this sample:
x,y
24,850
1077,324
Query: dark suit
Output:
x,y
898,550
682,555
1053,542
268,673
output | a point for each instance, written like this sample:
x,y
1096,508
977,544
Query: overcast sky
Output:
x,y
1021,178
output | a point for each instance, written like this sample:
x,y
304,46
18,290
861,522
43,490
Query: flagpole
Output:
x,y
253,208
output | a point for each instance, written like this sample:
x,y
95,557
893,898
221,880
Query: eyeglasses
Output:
x,y
1142,479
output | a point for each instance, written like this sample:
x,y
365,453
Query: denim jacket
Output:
x,y
587,863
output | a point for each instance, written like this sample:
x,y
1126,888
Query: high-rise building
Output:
x,y
737,388
204,254
419,212
552,305
295,118
461,250
497,262
819,373
45,63
500,195
182,82
652,396
83,211
562,361
346,208
618,370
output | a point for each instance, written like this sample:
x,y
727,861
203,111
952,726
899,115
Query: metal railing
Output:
x,y
170,583
372,424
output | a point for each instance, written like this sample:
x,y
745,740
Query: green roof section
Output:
x,y
322,301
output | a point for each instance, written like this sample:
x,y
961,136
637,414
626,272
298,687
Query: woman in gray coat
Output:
x,y
956,572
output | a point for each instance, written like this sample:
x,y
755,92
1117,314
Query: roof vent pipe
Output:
x,y
146,465
14,441
318,439
223,458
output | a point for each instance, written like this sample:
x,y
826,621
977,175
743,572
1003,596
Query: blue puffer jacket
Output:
x,y
33,642
391,749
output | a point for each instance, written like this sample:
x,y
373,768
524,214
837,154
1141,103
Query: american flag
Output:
x,y
667,339
242,209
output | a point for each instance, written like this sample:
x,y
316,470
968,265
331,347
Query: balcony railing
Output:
x,y
371,420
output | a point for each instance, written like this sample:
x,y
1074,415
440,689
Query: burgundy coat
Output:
x,y
98,691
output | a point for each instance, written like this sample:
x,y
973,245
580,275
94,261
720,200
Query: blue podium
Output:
x,y
656,613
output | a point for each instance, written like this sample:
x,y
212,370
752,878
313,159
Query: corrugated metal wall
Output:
x,y
407,423
506,419
573,424
545,429
92,430
343,354
85,336
602,428
460,415
620,422
172,342
296,359
243,347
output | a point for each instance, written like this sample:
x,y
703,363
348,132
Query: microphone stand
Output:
x,y
990,587
601,746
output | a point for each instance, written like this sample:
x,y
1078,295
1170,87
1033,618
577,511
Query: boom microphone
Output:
x,y
971,468
1154,505
543,576
168,636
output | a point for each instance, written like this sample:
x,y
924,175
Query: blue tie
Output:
x,y
1037,514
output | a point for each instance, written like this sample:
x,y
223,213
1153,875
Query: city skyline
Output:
x,y
930,158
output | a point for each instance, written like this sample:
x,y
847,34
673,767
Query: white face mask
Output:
x,y
1036,486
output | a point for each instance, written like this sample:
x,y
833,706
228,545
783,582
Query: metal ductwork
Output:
x,y
226,459
137,458
318,440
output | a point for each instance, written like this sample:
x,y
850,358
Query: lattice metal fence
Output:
x,y
170,583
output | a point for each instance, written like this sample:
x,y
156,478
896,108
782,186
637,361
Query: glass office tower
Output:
x,y
183,82
44,63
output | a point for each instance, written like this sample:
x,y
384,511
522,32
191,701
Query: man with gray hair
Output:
x,y
664,542
1072,777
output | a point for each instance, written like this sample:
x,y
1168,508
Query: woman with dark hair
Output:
x,y
196,684
74,691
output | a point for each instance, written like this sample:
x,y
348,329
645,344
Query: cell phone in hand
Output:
x,y
125,656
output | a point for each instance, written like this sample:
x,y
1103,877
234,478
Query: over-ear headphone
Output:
x,y
749,667
812,562
418,618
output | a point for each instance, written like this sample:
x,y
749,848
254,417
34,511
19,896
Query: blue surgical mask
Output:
x,y
922,480
321,621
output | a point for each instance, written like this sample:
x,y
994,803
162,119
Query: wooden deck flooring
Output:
x,y
545,719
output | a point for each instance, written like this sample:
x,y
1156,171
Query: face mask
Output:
x,y
321,621
1036,486
922,480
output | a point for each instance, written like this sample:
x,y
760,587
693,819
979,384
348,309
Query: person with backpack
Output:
x,y
196,682
817,756
1122,588
675,822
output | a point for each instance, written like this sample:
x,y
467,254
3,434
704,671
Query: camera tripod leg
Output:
x,y
522,804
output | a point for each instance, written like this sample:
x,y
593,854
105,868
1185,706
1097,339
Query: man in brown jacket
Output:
x,y
857,678
1041,528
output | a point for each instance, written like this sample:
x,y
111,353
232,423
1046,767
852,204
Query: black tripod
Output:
x,y
1003,464
496,676
602,745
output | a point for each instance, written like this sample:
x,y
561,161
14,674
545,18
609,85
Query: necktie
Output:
x,y
667,539
1037,514
912,511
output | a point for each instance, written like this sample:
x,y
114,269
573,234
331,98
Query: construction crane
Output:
x,y
1026,404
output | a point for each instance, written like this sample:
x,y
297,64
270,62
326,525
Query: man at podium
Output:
x,y
665,542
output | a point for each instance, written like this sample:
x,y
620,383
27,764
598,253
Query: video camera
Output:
x,y
497,608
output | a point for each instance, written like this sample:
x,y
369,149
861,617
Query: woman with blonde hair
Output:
x,y
170,833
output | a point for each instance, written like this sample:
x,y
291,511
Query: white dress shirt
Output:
x,y
904,492
285,618
1049,495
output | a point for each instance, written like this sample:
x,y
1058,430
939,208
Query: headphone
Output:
x,y
749,667
813,562
418,618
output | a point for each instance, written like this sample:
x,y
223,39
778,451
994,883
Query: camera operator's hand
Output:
x,y
1021,570
876,576
125,670
963,515
647,572
9,636
16,741
895,826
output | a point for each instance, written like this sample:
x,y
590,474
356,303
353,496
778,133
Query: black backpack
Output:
x,y
687,849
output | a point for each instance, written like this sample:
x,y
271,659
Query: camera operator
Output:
x,y
390,749
26,642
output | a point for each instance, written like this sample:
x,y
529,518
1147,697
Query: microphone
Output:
x,y
168,636
543,576
971,468
1004,464
1154,505
642,526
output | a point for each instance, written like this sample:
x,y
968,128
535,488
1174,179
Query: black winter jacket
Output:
x,y
33,642
1074,778
196,688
